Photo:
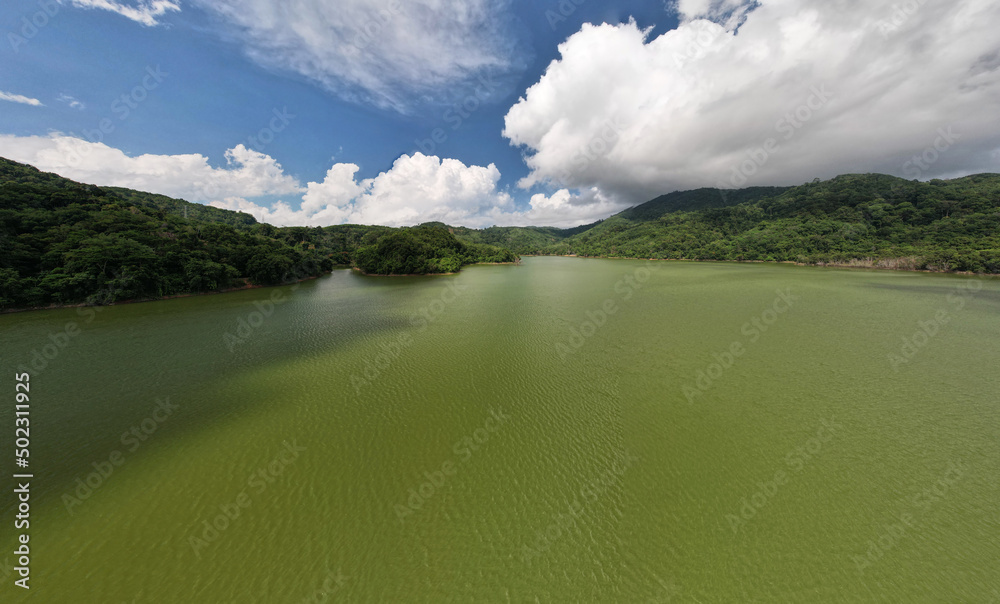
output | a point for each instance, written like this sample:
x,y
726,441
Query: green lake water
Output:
x,y
568,430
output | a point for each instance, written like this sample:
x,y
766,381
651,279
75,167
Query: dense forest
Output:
x,y
863,220
429,248
64,242
524,240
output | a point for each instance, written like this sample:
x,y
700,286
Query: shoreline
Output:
x,y
790,262
361,272
355,269
11,311
229,290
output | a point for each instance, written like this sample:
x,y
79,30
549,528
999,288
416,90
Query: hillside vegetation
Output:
x,y
524,240
863,220
63,242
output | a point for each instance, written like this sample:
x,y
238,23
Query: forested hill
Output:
x,y
698,199
62,242
856,220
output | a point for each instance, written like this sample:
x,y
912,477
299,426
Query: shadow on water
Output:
x,y
99,385
978,288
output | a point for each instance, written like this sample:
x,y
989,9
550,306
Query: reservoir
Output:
x,y
566,430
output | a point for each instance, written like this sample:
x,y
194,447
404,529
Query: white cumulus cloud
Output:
x,y
247,173
417,188
804,89
393,53
421,188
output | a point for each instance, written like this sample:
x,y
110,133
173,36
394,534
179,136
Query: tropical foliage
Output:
x,y
869,219
64,242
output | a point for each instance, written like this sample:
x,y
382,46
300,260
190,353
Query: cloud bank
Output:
x,y
806,88
417,188
247,173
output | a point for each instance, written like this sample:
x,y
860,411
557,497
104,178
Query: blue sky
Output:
x,y
645,98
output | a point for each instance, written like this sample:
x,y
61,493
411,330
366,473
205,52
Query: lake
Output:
x,y
567,430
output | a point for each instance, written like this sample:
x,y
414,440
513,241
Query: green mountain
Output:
x,y
698,199
855,220
63,242
544,240
523,240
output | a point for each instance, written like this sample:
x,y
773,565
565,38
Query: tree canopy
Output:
x,y
64,242
866,219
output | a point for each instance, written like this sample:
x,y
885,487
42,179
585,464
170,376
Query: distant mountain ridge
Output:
x,y
698,199
64,241
871,220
